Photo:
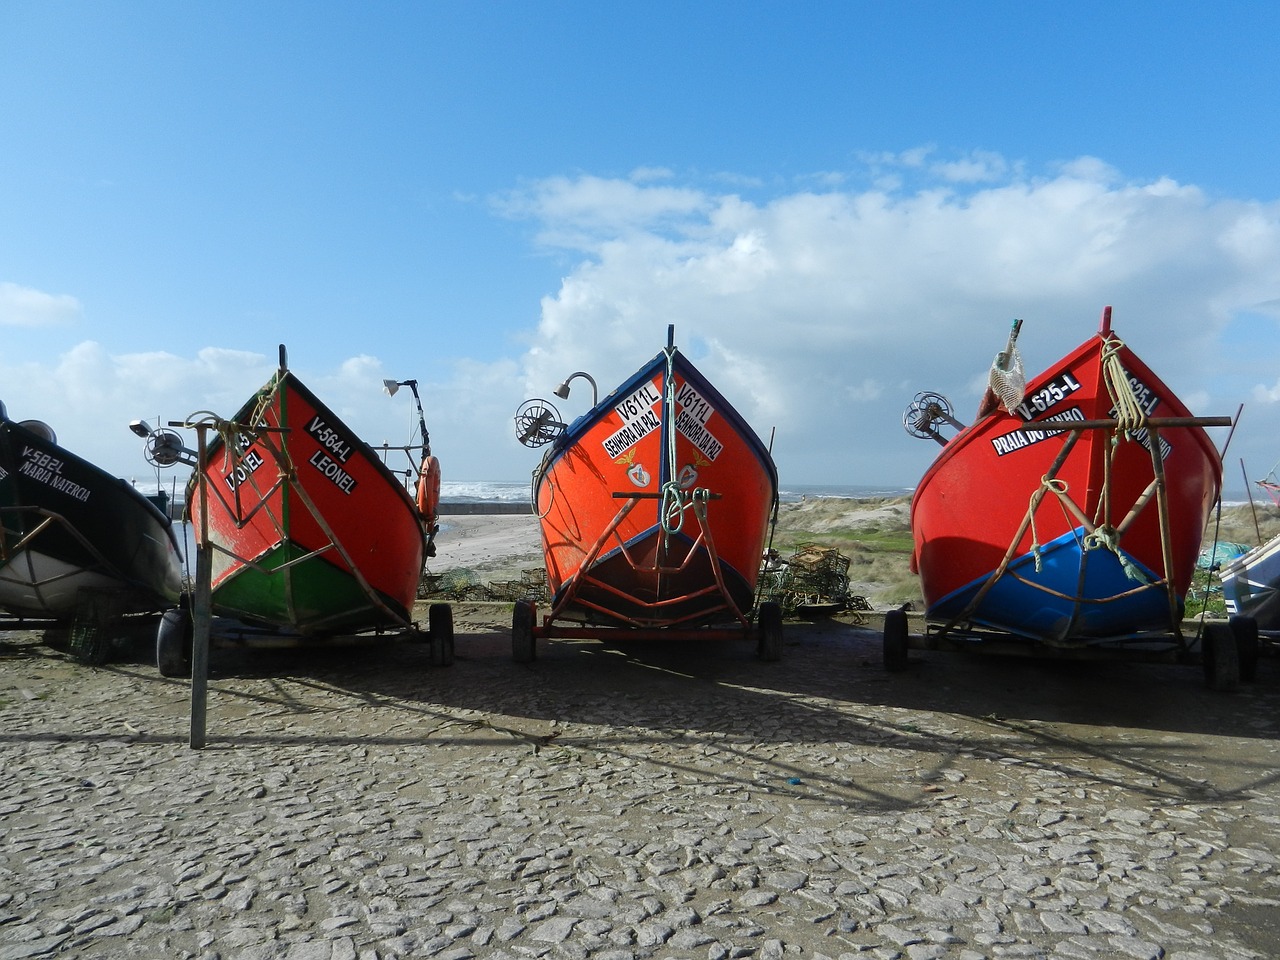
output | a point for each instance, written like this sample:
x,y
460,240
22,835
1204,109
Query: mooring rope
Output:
x,y
671,511
1130,415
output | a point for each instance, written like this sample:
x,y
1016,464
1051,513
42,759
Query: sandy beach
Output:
x,y
496,546
874,533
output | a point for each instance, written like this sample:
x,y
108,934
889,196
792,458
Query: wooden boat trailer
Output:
x,y
525,630
1228,651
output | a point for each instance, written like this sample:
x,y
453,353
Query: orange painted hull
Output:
x,y
655,506
311,532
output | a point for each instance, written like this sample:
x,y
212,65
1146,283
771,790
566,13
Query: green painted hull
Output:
x,y
280,589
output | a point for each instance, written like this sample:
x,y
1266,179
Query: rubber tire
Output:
x,y
1221,658
524,646
440,629
895,641
174,638
1245,630
769,623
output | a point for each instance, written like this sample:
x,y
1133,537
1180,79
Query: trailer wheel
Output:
x,y
769,623
1245,630
173,643
1221,658
895,641
440,627
523,644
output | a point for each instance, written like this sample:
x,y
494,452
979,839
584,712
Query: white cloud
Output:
x,y
24,307
89,396
981,166
823,313
583,212
818,313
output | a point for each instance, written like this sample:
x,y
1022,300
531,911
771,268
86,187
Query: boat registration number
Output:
x,y
1048,396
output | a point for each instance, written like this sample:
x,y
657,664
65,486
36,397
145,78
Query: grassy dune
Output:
x,y
875,534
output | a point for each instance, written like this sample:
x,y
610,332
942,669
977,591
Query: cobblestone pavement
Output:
x,y
635,801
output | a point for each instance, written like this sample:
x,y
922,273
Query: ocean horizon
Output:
x,y
501,491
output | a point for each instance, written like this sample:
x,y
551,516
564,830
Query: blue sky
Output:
x,y
837,204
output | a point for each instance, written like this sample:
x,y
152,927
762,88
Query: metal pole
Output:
x,y
202,608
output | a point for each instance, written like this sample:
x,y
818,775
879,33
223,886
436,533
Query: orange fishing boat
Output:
x,y
654,508
311,537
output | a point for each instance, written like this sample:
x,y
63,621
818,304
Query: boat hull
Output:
x,y
308,531
71,531
1251,585
1083,555
654,511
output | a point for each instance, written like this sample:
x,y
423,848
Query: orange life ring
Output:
x,y
429,489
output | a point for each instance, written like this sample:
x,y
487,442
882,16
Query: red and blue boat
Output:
x,y
311,536
1069,514
77,544
654,508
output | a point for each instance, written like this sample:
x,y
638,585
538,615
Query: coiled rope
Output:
x,y
1130,415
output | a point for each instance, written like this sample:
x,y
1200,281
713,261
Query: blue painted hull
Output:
x,y
1075,592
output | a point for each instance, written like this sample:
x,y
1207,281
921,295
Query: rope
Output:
x,y
1130,415
1053,486
1109,538
671,511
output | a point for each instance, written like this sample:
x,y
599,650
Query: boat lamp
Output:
x,y
562,391
389,387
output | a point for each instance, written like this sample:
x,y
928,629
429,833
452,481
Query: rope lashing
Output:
x,y
1051,485
671,511
1108,538
228,432
1130,416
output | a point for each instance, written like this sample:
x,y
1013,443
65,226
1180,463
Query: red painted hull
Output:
x,y
310,531
599,493
972,512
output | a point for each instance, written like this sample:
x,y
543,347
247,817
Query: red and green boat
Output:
x,y
654,508
75,542
1068,516
311,536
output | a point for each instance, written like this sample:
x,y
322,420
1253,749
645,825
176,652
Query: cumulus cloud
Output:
x,y
89,395
25,307
821,313
818,312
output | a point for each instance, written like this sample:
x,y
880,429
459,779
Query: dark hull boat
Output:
x,y
1071,518
311,537
75,539
654,508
